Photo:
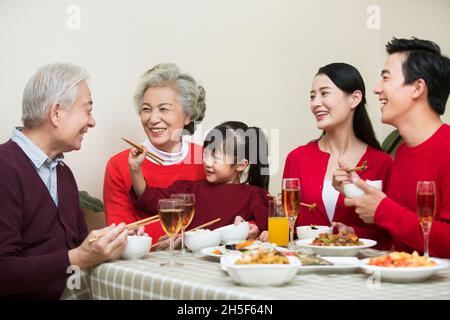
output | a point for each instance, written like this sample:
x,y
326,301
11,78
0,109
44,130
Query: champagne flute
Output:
x,y
188,214
170,213
291,204
426,208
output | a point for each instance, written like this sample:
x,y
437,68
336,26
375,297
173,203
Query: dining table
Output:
x,y
201,278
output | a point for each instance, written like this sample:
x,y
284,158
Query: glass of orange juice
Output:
x,y
278,224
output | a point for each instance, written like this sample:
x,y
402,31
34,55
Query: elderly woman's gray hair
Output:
x,y
52,83
192,95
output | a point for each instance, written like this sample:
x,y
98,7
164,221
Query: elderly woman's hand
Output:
x,y
108,247
136,157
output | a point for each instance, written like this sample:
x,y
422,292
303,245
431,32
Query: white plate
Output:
x,y
256,275
347,251
404,274
258,245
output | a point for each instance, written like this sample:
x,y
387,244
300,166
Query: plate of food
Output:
x,y
238,247
341,244
403,267
261,268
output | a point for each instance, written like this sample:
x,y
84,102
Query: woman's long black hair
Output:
x,y
242,142
348,79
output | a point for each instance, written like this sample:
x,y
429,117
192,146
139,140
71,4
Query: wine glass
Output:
x,y
426,208
291,204
170,213
188,214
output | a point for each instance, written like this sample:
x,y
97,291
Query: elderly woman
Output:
x,y
170,104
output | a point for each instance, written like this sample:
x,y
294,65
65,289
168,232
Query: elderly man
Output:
x,y
42,229
413,91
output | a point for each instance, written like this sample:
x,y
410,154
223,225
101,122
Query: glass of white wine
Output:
x,y
188,214
170,213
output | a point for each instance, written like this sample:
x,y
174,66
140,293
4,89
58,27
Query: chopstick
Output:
x,y
309,206
153,156
130,226
360,168
196,228
205,224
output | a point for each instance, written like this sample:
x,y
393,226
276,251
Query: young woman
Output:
x,y
338,105
236,168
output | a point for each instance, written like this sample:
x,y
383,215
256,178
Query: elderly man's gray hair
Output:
x,y
52,83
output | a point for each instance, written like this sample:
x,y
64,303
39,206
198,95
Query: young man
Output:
x,y
42,229
413,91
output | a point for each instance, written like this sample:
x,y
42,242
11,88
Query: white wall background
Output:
x,y
255,58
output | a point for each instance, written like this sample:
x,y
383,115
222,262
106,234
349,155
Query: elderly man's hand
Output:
x,y
108,247
366,205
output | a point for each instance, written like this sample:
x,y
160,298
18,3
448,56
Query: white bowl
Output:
x,y
256,275
137,247
311,232
234,232
200,239
404,274
352,191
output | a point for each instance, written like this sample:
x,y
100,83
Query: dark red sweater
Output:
x,y
35,235
397,212
225,201
309,164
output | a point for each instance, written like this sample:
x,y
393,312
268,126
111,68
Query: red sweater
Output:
x,y
397,212
116,189
225,201
309,164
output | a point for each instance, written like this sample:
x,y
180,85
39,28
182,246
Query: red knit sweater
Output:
x,y
397,212
116,189
309,164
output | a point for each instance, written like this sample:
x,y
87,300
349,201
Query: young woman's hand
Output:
x,y
341,176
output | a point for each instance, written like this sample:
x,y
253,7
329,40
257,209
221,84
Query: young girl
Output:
x,y
237,178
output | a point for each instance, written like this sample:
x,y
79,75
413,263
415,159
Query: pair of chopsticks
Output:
x,y
196,228
153,156
130,226
363,167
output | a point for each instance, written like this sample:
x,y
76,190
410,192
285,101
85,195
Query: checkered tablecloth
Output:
x,y
201,278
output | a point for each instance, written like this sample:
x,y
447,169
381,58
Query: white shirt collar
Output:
x,y
169,158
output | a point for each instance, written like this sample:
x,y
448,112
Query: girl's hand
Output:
x,y
264,236
253,228
136,158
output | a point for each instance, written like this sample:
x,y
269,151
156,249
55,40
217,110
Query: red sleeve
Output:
x,y
403,225
118,205
148,201
22,274
259,209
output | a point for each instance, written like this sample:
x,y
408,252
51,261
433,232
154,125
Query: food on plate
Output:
x,y
342,239
264,257
217,251
398,259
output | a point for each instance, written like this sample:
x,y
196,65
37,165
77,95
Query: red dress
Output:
x,y
309,164
116,189
397,212
225,201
